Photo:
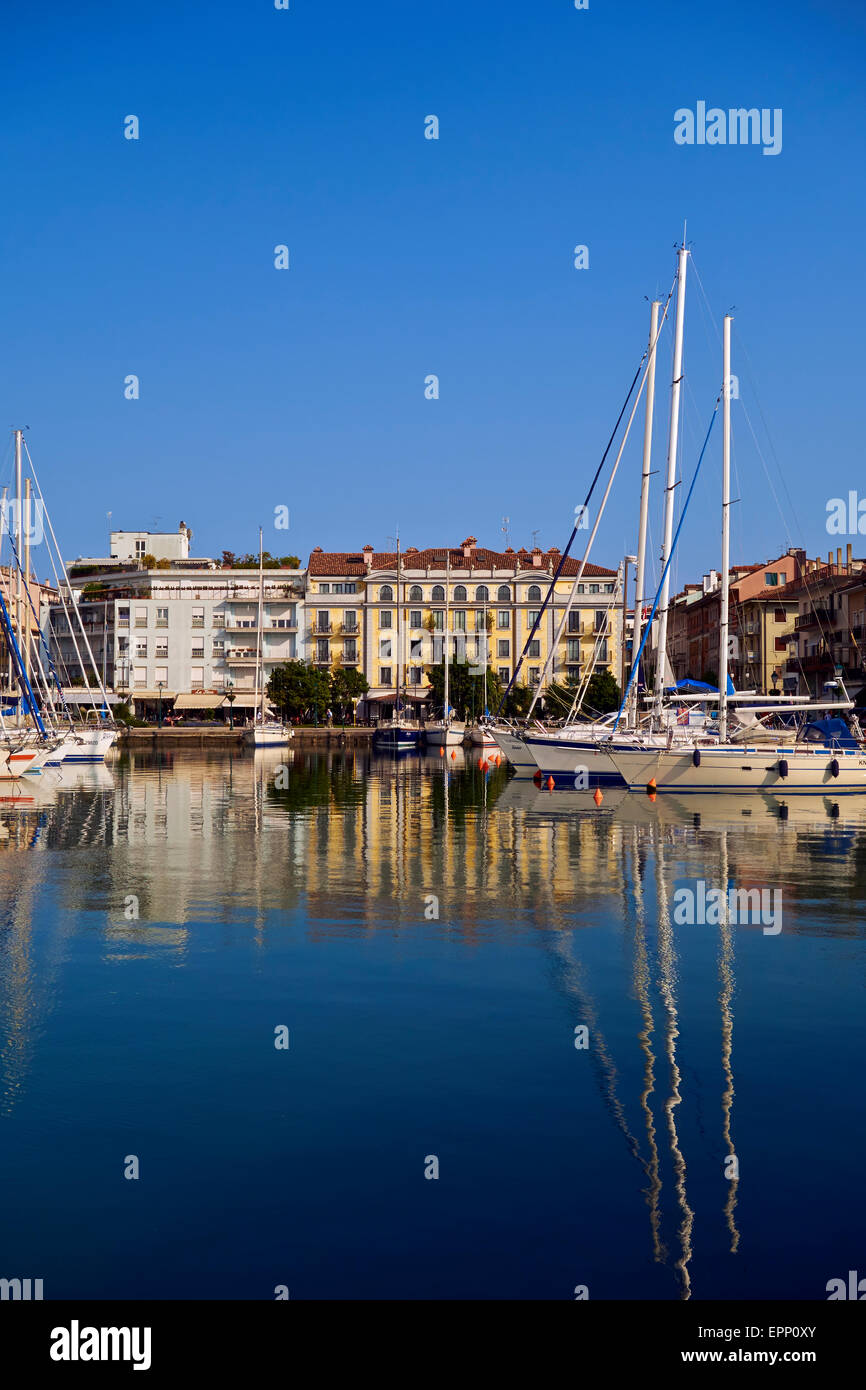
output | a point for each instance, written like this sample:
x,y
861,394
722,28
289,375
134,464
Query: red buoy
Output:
x,y
597,796
550,784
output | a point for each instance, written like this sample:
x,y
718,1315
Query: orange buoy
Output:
x,y
441,752
550,784
536,777
454,752
652,795
597,796
651,785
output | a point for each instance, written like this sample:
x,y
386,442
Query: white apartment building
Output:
x,y
178,636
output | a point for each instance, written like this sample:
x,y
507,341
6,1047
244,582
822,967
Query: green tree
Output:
x,y
347,685
602,693
296,687
465,691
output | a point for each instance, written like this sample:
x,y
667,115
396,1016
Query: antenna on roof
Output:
x,y
535,535
504,529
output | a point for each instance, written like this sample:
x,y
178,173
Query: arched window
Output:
x,y
533,594
415,593
482,594
459,593
503,593
438,593
386,594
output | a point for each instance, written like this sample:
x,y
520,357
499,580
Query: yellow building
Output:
x,y
352,605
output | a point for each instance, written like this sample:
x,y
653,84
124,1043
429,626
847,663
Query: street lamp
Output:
x,y
231,700
160,685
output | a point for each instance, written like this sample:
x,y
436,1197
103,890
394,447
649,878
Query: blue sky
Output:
x,y
305,387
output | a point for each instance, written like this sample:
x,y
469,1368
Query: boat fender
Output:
x,y
834,767
783,767
696,757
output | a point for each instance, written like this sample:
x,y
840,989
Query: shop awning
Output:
x,y
199,700
405,695
84,697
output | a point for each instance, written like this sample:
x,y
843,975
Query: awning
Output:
x,y
85,697
151,694
391,698
199,700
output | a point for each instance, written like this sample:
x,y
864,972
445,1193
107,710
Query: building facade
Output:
x,y
353,598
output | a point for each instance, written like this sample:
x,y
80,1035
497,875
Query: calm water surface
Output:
x,y
312,905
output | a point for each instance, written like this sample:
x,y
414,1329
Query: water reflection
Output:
x,y
155,854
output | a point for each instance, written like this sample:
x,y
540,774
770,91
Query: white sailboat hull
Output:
x,y
514,749
84,746
783,770
447,735
268,736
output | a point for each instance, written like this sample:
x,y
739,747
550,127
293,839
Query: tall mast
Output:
x,y
25,646
640,580
260,643
726,529
19,606
671,480
447,635
399,671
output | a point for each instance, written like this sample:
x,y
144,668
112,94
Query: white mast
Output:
x,y
447,638
399,672
19,606
671,481
640,582
726,530
260,643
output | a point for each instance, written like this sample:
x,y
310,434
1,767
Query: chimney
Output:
x,y
848,558
468,546
537,557
830,559
367,552
839,560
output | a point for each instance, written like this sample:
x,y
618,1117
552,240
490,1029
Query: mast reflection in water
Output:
x,y
434,938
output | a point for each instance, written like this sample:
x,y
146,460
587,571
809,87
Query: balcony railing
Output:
x,y
322,629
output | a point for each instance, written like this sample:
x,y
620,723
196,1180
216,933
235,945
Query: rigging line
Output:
x,y
649,621
564,556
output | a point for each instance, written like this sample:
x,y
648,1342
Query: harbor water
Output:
x,y
348,1026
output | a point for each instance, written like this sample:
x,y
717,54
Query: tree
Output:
x,y
296,687
250,561
228,559
518,701
347,685
149,561
602,693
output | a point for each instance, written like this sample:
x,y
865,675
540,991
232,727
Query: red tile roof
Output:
x,y
351,562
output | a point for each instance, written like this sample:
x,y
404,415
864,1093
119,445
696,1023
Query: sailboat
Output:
x,y
264,731
446,732
398,735
816,759
480,734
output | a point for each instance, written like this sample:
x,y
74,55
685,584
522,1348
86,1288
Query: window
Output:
x,y
344,589
414,675
161,675
534,648
780,616
323,621
140,549
772,579
482,594
459,593
198,651
198,617
217,678
386,618
161,652
532,618
162,617
503,649
573,649
323,651
503,620
460,620
602,651
504,674
386,593
600,620
533,594
139,674
324,588
350,620
608,588
503,594
219,649
350,650
122,617
438,593
196,677
781,644
479,621
534,675
595,589
141,647
415,595
141,617
415,617
581,588
385,675
438,616
574,621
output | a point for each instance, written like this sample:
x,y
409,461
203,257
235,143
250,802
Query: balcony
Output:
x,y
241,655
350,660
817,617
163,622
349,629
